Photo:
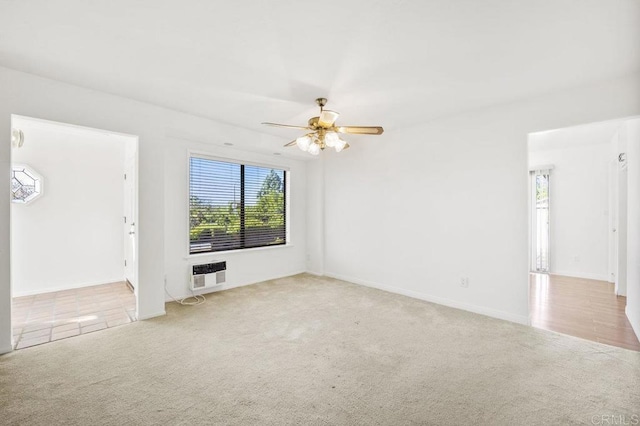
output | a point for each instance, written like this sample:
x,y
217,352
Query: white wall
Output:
x,y
415,209
579,222
28,95
72,235
633,224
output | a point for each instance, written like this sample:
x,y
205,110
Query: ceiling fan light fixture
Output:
x,y
304,142
331,139
314,149
327,118
340,145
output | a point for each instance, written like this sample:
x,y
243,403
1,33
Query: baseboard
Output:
x,y
520,319
635,322
317,274
63,288
587,276
149,316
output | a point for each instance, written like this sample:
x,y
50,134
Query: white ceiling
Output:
x,y
393,63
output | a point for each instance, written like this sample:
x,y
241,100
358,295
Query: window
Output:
x,y
26,184
541,235
235,206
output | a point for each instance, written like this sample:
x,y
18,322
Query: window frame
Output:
x,y
286,188
38,184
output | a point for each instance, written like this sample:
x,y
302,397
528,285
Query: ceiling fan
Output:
x,y
324,132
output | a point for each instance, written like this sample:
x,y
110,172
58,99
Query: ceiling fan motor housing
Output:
x,y
313,122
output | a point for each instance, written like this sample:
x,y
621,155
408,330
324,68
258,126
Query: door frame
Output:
x,y
131,175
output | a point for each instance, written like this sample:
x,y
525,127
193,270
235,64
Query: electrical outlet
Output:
x,y
464,282
576,258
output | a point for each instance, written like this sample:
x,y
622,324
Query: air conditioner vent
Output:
x,y
206,275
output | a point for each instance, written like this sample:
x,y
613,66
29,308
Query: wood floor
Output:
x,y
583,308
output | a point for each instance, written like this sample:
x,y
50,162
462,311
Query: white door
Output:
x,y
613,222
621,233
130,234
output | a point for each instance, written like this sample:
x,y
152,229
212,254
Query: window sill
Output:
x,y
237,251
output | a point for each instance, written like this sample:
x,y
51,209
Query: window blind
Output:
x,y
235,206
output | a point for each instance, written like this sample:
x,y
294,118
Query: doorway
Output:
x,y
578,232
74,197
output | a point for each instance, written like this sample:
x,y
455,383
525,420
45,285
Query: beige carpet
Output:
x,y
307,350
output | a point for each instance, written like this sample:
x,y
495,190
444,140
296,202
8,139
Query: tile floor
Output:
x,y
583,308
52,316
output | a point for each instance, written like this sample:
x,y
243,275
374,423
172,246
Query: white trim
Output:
x,y
586,276
317,274
74,126
237,251
5,350
149,316
548,167
287,207
208,156
577,126
68,287
519,319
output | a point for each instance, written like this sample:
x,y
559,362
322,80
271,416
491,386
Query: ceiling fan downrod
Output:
x,y
321,103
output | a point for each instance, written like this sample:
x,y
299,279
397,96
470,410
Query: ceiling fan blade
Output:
x,y
361,130
292,143
289,126
327,118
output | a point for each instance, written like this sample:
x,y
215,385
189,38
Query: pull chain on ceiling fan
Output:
x,y
324,132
